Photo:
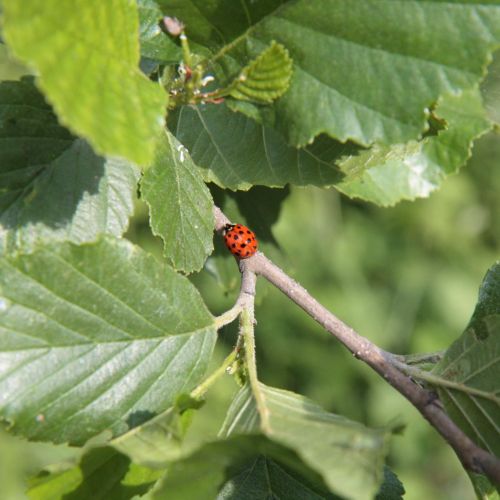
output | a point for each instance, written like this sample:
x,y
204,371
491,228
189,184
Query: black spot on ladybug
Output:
x,y
234,245
235,236
243,245
240,232
249,240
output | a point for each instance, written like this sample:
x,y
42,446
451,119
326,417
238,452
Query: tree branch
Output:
x,y
471,456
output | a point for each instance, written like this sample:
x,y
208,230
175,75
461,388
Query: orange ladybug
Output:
x,y
240,240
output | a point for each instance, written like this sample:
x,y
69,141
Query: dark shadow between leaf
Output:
x,y
52,196
260,206
139,417
44,172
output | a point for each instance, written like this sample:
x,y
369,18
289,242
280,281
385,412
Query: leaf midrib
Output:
x,y
125,342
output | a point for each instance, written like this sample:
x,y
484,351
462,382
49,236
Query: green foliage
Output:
x,y
120,326
180,205
101,473
388,174
483,487
391,488
158,441
154,44
348,456
107,348
236,152
76,197
53,186
266,78
472,363
87,56
376,69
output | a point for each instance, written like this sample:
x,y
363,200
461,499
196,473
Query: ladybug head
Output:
x,y
227,228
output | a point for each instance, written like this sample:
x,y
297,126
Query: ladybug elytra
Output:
x,y
240,240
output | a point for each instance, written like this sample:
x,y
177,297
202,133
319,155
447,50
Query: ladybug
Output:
x,y
240,241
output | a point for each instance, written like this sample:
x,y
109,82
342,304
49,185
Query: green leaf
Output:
x,y
218,23
253,154
157,441
472,364
483,487
386,175
155,43
349,456
94,337
86,56
364,71
263,478
488,303
102,473
74,198
21,459
266,78
236,152
61,190
391,488
218,470
30,135
180,204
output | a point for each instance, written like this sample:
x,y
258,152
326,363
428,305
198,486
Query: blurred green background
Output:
x,y
405,277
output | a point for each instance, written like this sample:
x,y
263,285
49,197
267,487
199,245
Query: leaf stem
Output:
x,y
199,391
247,330
229,316
437,381
420,359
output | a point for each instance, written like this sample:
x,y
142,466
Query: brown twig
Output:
x,y
472,457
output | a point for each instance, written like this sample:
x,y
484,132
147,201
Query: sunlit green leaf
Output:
x,y
365,71
102,473
86,54
75,198
218,470
180,205
236,152
21,459
388,174
53,187
348,456
157,441
266,78
94,337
